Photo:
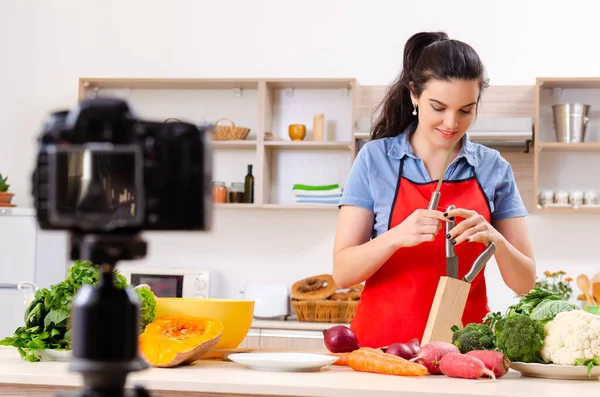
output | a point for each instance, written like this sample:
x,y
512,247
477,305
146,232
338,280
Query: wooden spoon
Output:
x,y
583,282
596,292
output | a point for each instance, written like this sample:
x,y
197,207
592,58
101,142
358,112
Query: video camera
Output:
x,y
105,175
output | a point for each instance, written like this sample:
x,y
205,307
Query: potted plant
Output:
x,y
5,196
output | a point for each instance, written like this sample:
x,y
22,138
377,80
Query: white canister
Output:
x,y
590,198
546,197
561,197
576,198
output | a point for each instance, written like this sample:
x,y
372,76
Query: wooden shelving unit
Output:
x,y
263,105
562,166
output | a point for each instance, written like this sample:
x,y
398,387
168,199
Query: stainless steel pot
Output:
x,y
570,122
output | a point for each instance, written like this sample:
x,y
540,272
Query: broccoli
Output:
x,y
520,338
473,337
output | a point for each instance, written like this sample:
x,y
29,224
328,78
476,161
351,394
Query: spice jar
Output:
x,y
219,192
236,192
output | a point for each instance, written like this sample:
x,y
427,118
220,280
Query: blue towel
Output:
x,y
318,201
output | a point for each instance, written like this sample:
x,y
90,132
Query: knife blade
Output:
x,y
480,262
451,258
435,196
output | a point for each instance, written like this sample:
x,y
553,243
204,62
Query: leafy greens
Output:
x,y
46,318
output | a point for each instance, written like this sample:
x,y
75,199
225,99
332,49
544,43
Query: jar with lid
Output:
x,y
236,192
219,192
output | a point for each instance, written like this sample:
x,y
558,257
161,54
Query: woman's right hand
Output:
x,y
419,227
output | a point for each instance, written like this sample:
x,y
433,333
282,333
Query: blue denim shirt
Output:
x,y
373,178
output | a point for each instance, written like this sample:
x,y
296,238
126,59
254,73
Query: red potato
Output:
x,y
457,365
495,361
431,354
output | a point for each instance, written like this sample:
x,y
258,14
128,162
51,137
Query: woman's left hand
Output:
x,y
474,228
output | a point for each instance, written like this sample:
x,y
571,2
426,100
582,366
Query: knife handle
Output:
x,y
433,202
480,262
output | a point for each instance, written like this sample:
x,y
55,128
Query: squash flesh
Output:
x,y
173,340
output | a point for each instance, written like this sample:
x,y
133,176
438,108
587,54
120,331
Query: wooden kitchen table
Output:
x,y
207,378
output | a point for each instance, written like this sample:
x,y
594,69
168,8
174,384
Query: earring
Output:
x,y
414,111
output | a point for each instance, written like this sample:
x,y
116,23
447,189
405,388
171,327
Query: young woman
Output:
x,y
385,233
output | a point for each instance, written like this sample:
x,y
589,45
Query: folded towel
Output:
x,y
317,201
317,193
317,196
299,186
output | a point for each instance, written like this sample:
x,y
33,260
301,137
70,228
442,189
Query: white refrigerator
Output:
x,y
26,254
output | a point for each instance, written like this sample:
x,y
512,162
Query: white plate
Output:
x,y
55,355
553,371
283,361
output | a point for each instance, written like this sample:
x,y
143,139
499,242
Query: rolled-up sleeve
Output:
x,y
507,199
357,190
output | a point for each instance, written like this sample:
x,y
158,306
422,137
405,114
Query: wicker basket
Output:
x,y
229,133
325,311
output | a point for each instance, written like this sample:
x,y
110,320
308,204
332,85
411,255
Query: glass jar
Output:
x,y
219,192
236,192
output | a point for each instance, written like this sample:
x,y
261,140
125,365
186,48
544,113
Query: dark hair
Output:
x,y
426,55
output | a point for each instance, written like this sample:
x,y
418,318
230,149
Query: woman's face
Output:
x,y
446,109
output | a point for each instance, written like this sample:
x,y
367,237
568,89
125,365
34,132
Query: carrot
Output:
x,y
342,360
493,360
456,365
367,359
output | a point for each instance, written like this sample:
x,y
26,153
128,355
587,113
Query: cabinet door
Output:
x,y
252,338
291,339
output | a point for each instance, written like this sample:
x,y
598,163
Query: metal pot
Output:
x,y
570,122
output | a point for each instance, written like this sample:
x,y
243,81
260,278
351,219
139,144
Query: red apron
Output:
x,y
395,303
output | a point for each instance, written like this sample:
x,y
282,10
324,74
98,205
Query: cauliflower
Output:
x,y
571,335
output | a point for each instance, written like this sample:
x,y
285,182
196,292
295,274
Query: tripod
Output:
x,y
105,319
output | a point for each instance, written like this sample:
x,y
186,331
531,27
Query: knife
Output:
x,y
435,196
480,262
451,258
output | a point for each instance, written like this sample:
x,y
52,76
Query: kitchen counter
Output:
x,y
291,325
209,378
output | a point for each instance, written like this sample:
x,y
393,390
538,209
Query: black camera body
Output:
x,y
105,176
102,170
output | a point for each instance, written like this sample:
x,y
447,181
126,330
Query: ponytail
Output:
x,y
426,55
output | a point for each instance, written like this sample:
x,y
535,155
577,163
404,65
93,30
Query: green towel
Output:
x,y
299,186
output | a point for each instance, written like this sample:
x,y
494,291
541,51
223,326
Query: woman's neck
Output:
x,y
433,156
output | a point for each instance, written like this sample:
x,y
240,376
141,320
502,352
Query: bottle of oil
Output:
x,y
249,186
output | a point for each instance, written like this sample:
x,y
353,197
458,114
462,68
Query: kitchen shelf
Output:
x,y
238,206
573,147
263,105
237,144
563,166
309,145
571,210
270,105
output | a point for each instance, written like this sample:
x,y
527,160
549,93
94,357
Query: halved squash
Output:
x,y
173,340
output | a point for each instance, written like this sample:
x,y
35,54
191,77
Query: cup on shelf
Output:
x,y
561,197
590,198
576,198
546,197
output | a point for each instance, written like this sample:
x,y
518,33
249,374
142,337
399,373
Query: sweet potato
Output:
x,y
431,354
367,359
493,360
457,365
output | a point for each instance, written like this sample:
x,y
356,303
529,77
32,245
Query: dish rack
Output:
x,y
228,133
325,311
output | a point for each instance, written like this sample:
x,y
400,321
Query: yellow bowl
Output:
x,y
236,315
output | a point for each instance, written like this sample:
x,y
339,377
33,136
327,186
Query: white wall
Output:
x,y
46,46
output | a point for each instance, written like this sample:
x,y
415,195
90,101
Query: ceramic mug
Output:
x,y
546,197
